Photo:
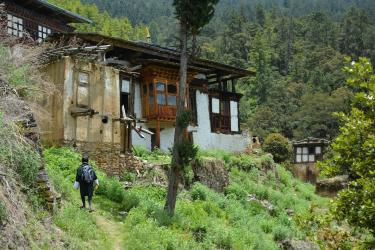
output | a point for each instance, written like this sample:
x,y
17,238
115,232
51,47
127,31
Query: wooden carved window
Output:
x,y
160,88
224,115
215,105
43,32
193,106
15,26
166,94
151,99
172,94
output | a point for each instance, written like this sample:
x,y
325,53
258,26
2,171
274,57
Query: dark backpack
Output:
x,y
87,174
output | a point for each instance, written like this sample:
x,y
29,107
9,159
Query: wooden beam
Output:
x,y
158,133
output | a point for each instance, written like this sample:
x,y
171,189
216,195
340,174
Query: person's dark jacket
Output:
x,y
87,189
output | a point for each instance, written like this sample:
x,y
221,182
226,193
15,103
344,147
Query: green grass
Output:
x,y
204,219
3,213
156,156
17,153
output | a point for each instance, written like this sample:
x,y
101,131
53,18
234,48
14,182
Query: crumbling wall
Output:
x,y
330,187
306,172
211,172
109,157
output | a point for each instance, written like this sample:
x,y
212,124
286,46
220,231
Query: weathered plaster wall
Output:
x,y
103,96
137,99
52,127
208,140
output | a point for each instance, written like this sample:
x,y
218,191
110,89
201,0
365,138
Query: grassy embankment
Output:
x,y
204,218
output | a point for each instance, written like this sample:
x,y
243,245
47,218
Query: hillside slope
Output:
x,y
259,209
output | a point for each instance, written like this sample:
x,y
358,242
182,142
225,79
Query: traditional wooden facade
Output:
x,y
306,153
119,94
309,150
38,18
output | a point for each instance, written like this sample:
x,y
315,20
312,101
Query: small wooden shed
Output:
x,y
306,153
309,150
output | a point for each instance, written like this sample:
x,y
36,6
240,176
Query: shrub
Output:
x,y
155,156
3,214
279,146
198,192
160,215
280,233
130,201
129,176
17,153
112,189
244,162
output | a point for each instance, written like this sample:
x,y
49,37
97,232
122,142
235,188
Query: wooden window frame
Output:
x,y
311,150
15,25
220,122
43,32
154,109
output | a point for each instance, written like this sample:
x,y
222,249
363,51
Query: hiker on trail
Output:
x,y
85,179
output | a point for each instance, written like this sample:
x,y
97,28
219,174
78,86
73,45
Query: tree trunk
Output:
x,y
174,173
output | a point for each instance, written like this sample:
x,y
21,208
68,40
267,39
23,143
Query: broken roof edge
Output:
x,y
156,50
78,18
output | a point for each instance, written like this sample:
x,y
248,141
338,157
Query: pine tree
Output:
x,y
193,16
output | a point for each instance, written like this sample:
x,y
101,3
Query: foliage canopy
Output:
x,y
354,150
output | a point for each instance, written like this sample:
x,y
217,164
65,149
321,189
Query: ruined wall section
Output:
x,y
88,134
52,129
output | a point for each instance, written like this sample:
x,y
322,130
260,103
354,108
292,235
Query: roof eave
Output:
x,y
168,54
76,17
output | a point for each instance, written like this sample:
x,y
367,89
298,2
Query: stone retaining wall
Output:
x,y
109,157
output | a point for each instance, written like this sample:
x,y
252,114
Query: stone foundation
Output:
x,y
306,172
109,157
330,187
212,173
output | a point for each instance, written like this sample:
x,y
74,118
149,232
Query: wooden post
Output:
x,y
233,86
131,111
158,133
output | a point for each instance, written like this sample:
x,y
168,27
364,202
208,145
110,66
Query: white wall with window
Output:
x,y
15,25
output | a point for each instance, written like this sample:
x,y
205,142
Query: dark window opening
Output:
x,y
124,101
172,89
125,95
193,106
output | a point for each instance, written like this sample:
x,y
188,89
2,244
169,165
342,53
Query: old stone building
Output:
x,y
115,94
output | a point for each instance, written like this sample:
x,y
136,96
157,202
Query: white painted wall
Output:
x,y
144,142
166,139
208,140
